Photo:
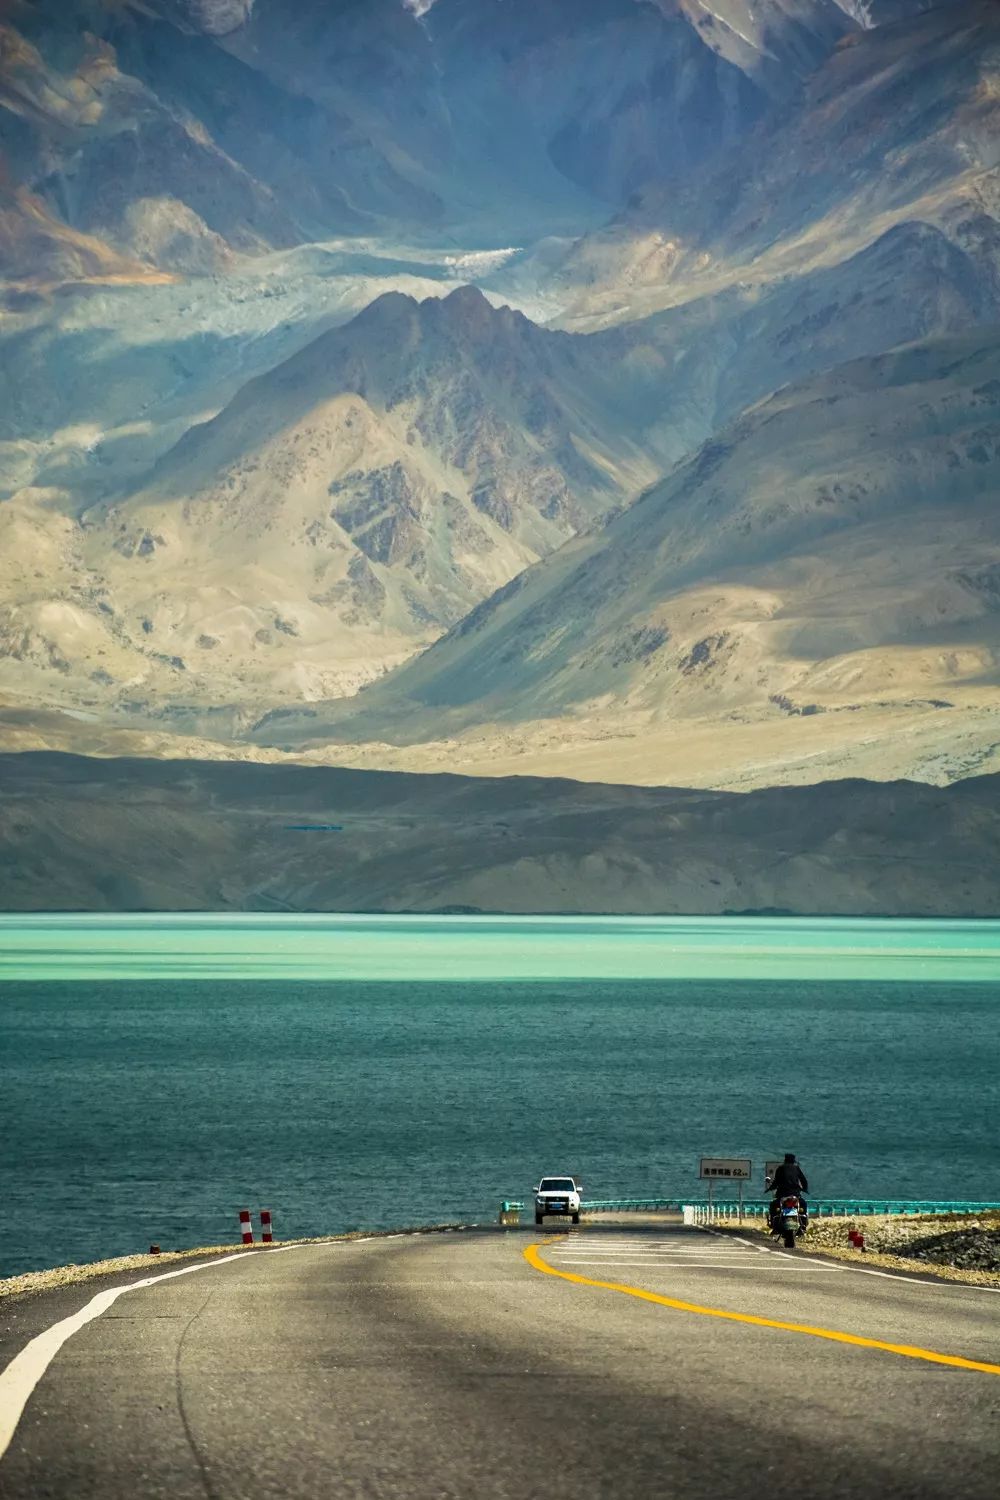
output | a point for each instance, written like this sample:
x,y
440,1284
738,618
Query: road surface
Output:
x,y
468,1364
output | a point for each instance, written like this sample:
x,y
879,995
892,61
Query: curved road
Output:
x,y
469,1364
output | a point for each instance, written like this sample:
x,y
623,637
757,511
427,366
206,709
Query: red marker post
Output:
x,y
265,1226
246,1228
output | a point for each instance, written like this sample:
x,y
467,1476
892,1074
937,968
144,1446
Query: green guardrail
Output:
x,y
846,1207
629,1205
754,1207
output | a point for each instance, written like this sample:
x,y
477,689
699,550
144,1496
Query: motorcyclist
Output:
x,y
788,1181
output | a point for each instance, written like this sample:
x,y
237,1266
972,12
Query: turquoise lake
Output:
x,y
160,1073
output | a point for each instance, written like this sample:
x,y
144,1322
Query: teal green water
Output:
x,y
161,1073
491,948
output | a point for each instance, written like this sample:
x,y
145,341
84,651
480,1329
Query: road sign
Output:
x,y
726,1168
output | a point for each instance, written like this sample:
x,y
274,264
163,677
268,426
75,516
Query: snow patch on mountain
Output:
x,y
860,11
215,17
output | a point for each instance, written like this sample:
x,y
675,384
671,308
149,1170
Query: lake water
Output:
x,y
161,1073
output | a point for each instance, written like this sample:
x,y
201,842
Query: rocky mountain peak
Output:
x,y
467,301
464,317
468,315
391,311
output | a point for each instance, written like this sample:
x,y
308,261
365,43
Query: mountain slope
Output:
x,y
346,508
38,249
900,123
833,552
109,157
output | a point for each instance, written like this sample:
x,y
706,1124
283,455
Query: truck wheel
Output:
x,y
538,1218
576,1218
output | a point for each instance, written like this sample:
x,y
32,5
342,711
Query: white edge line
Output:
x,y
19,1379
21,1376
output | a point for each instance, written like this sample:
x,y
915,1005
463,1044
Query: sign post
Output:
x,y
725,1169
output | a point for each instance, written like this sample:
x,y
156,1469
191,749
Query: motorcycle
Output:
x,y
789,1218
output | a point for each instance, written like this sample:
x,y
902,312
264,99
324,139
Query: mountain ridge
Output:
x,y
243,482
134,835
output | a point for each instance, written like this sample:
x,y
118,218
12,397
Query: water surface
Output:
x,y
140,1108
495,948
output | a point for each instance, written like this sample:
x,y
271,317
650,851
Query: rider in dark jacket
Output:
x,y
788,1180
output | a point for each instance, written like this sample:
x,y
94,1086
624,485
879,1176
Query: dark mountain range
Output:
x,y
134,835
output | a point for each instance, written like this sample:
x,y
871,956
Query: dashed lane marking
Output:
x,y
907,1351
709,1253
716,1246
683,1265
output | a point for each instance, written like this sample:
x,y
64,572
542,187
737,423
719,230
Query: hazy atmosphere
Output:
x,y
499,749
600,390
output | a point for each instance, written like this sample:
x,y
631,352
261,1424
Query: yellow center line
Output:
x,y
908,1351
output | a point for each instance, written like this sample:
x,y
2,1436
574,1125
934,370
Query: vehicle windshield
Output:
x,y
556,1185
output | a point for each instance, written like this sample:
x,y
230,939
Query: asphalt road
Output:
x,y
450,1365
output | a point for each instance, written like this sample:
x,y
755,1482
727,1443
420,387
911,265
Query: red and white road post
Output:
x,y
265,1226
246,1227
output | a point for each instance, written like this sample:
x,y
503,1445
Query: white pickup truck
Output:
x,y
558,1195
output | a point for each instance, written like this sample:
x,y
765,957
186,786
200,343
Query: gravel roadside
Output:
x,y
957,1247
44,1281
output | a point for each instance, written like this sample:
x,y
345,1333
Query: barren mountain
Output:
x,y
222,501
36,247
901,123
347,507
831,555
341,512
108,156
